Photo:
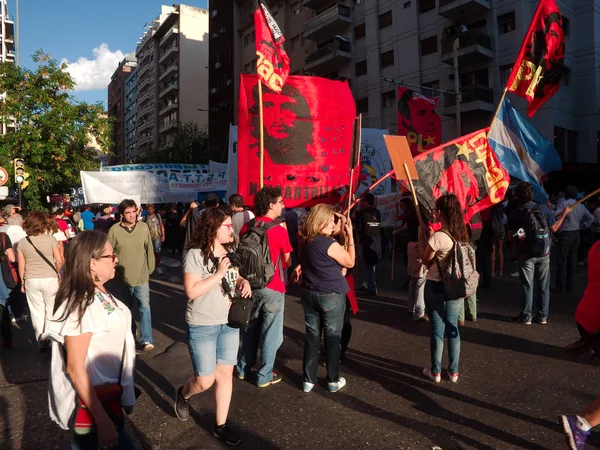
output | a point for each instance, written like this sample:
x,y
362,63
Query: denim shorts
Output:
x,y
157,244
211,345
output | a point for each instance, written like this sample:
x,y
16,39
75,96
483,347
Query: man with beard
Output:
x,y
287,126
133,247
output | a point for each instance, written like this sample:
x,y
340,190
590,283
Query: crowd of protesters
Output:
x,y
63,260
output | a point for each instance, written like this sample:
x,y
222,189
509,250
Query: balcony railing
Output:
x,y
331,21
341,46
467,39
471,93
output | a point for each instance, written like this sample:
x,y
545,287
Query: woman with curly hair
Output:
x,y
442,311
210,281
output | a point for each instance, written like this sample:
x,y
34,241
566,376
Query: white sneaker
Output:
x,y
159,271
435,377
148,347
515,274
307,387
334,387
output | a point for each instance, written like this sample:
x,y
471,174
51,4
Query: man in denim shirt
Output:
x,y
568,240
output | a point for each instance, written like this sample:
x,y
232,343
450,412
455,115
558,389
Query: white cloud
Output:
x,y
90,74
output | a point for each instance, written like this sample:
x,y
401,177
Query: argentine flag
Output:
x,y
522,150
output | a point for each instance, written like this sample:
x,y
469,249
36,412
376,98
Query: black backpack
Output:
x,y
538,238
254,255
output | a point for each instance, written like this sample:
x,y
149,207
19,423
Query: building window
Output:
x,y
476,78
566,78
295,9
429,46
388,99
566,26
360,31
406,5
362,106
387,59
506,23
565,143
426,5
361,68
385,20
430,88
505,72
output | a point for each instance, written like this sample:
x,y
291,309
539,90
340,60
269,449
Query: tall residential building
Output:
x,y
172,78
116,106
130,115
7,52
411,41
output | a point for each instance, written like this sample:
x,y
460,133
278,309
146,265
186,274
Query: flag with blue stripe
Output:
x,y
522,150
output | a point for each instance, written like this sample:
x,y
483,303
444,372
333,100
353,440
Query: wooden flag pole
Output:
x,y
398,189
498,108
262,136
414,194
354,161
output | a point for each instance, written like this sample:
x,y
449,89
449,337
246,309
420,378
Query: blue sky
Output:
x,y
76,30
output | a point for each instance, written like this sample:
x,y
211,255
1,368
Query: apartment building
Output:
x,y
172,77
411,41
117,108
7,51
130,115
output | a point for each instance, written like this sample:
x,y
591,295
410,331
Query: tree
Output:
x,y
52,131
190,145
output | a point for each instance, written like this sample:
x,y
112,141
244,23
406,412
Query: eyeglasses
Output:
x,y
113,256
228,225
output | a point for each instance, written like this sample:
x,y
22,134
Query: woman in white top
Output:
x,y
442,311
99,349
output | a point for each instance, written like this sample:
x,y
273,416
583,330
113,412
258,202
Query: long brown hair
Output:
x,y
449,206
76,285
206,230
35,223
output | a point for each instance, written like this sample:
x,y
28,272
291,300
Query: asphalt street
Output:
x,y
514,382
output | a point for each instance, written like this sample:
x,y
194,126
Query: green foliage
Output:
x,y
190,146
53,131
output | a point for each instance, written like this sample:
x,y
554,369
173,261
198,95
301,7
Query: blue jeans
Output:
x,y
90,441
567,247
326,309
367,276
532,272
4,292
443,317
266,320
141,293
416,297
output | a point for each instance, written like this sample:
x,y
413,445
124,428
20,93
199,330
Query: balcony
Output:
x,y
167,52
171,105
10,55
171,87
174,31
145,95
459,10
9,40
329,58
328,23
171,69
167,126
475,99
474,47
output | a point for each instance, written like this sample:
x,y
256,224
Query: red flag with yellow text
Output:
x,y
272,63
308,134
540,66
418,121
466,167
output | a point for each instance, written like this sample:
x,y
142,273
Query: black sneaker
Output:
x,y
182,406
226,434
520,320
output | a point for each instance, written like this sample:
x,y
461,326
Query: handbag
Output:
x,y
9,272
41,255
240,312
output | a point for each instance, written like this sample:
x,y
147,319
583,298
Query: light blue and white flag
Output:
x,y
522,150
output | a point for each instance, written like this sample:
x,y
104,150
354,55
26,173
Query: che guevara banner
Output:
x,y
272,63
418,121
540,65
308,139
466,167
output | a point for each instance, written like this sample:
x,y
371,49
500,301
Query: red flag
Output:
x,y
540,66
418,121
308,132
273,63
466,167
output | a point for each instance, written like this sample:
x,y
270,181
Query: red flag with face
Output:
x,y
466,167
540,66
273,63
308,135
418,121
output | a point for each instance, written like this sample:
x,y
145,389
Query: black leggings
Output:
x,y
5,326
347,329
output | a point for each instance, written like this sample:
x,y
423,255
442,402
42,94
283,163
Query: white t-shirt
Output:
x,y
441,243
109,321
15,233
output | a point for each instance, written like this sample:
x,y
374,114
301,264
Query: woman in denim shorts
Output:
x,y
210,281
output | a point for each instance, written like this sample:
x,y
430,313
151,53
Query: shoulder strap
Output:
x,y
41,255
446,231
3,244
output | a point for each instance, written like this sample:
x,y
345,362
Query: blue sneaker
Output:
x,y
576,437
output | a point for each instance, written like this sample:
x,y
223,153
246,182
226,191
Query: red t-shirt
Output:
x,y
587,313
62,225
279,244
